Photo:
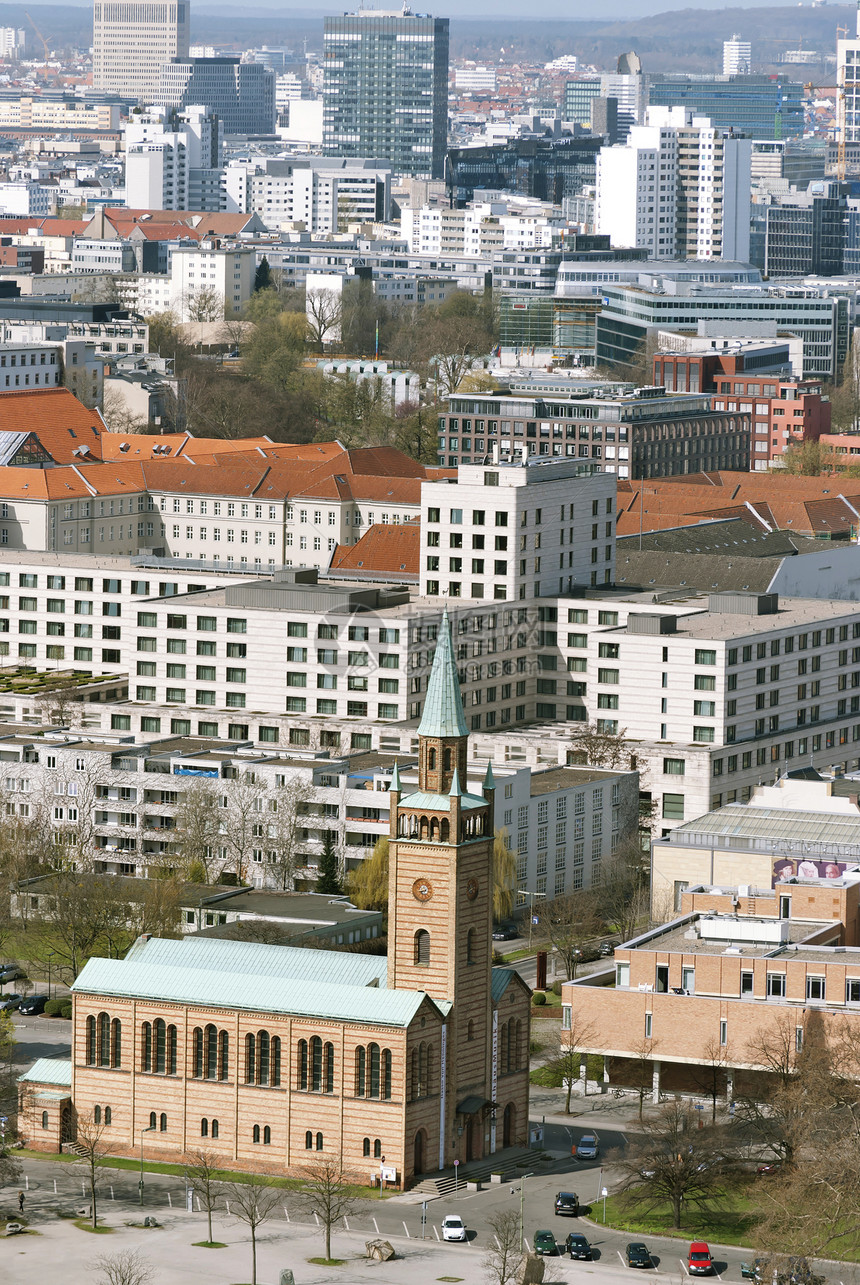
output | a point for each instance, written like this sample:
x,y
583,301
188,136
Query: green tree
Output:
x,y
328,877
504,876
368,883
10,1168
809,459
263,276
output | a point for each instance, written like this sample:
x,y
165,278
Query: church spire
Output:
x,y
443,714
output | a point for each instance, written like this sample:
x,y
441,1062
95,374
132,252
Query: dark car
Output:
x,y
8,1003
638,1255
505,932
607,948
567,1202
577,1246
33,1004
545,1242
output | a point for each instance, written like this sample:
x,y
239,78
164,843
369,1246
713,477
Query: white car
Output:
x,y
453,1227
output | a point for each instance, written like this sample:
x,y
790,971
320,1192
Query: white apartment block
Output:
x,y
396,386
120,336
848,78
28,198
117,800
677,188
13,41
167,151
208,272
511,532
479,230
737,57
475,79
320,194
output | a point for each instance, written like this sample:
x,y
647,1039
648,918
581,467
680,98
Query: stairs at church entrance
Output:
x,y
504,1162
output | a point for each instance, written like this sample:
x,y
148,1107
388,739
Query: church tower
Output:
x,y
441,899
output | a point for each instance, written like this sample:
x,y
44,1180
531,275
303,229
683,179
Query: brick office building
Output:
x,y
272,1055
699,996
784,409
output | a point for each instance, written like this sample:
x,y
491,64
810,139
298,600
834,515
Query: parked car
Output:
x,y
33,1004
699,1261
11,973
453,1227
544,1242
567,1202
765,1170
587,1148
577,1246
607,948
505,932
638,1255
8,1003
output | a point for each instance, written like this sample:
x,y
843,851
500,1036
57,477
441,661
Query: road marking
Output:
x,y
526,1243
623,1262
406,1229
375,1223
684,1265
435,1232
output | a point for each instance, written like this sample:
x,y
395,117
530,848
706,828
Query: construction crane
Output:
x,y
43,40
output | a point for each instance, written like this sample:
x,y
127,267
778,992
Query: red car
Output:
x,y
699,1261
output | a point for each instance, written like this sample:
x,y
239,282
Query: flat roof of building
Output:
x,y
740,825
677,938
568,778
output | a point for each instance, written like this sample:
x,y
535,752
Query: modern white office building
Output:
x,y
168,153
678,188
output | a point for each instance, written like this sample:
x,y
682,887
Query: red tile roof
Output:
x,y
382,550
62,424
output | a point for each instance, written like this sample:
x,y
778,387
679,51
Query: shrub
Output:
x,y
538,998
66,1010
54,1007
556,986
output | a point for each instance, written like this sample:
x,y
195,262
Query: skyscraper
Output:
x,y
242,94
737,56
385,89
133,39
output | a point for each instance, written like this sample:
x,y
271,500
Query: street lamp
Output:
x,y
533,895
149,1129
522,1204
51,954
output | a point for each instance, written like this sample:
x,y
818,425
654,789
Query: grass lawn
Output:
x,y
86,1225
733,1224
209,1244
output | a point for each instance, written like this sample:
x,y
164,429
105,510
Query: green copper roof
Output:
x,y
441,802
489,779
443,706
49,1070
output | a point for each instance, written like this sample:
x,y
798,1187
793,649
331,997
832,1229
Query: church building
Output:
x,y
268,1055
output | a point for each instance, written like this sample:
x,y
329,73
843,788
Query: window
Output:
x,y
815,988
724,1031
422,947
776,985
747,983
673,767
673,807
705,657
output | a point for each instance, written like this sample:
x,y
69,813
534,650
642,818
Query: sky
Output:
x,y
544,10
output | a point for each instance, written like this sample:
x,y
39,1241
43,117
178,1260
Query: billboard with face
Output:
x,y
804,868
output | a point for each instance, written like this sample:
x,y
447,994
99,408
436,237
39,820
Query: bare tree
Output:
x,y
196,833
60,703
710,1074
253,1202
284,827
328,1192
622,897
643,1062
568,1061
503,1254
76,918
201,1174
118,415
568,923
596,748
127,1267
773,1110
324,311
504,875
242,820
682,1163
10,1167
204,304
93,1149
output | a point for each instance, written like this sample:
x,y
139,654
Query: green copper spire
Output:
x,y
489,779
443,706
395,778
456,789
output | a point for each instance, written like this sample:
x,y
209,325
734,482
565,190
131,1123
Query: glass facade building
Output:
x,y
755,106
241,94
385,89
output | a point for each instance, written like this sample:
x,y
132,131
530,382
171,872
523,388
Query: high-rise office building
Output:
x,y
241,94
757,106
385,89
848,79
133,39
737,55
